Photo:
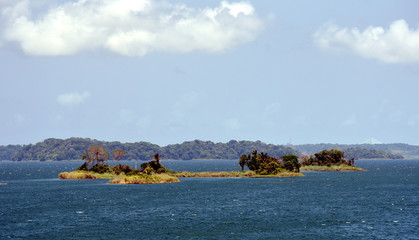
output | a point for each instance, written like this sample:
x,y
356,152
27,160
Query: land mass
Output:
x,y
72,148
259,164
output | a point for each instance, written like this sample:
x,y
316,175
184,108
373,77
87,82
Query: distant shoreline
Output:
x,y
73,148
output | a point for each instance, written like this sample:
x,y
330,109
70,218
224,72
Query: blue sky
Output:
x,y
173,71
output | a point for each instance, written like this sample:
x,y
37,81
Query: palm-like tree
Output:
x,y
263,157
243,161
156,158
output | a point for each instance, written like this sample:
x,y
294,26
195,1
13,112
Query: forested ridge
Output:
x,y
365,151
73,148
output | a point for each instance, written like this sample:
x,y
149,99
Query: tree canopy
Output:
x,y
264,164
327,158
72,148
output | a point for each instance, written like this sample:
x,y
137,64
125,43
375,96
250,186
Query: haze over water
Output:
x,y
381,203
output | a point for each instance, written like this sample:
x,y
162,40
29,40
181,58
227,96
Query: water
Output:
x,y
381,203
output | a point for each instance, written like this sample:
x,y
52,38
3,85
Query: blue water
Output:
x,y
381,203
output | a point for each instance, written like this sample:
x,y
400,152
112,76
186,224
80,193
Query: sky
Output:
x,y
299,71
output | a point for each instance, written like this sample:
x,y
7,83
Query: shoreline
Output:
x,y
336,168
171,177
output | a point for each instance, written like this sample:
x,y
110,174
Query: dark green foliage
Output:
x,y
252,162
269,167
134,172
143,166
243,160
327,158
154,166
264,164
118,169
83,167
291,162
101,168
289,166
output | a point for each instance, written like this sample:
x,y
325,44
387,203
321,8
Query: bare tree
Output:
x,y
118,154
96,153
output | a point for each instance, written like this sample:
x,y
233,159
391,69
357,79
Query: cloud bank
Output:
x,y
129,27
396,44
70,99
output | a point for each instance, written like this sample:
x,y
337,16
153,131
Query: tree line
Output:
x,y
72,148
264,164
96,156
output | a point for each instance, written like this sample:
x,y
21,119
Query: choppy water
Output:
x,y
381,203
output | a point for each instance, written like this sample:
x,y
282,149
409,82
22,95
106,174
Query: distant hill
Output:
x,y
7,152
362,153
405,150
72,148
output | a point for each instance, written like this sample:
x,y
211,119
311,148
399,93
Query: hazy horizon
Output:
x,y
168,72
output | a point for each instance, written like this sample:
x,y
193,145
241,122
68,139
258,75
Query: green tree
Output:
x,y
329,157
291,162
243,160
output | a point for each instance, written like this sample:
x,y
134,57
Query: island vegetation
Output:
x,y
365,151
94,167
258,164
328,160
71,149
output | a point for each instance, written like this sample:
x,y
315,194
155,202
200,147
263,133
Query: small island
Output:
x,y
259,164
328,160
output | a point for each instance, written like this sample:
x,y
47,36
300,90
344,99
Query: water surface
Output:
x,y
381,203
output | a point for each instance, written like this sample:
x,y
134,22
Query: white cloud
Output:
x,y
69,99
396,44
130,27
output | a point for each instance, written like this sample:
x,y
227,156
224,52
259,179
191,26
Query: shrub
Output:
x,y
101,168
83,167
289,166
269,168
134,172
118,169
153,167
